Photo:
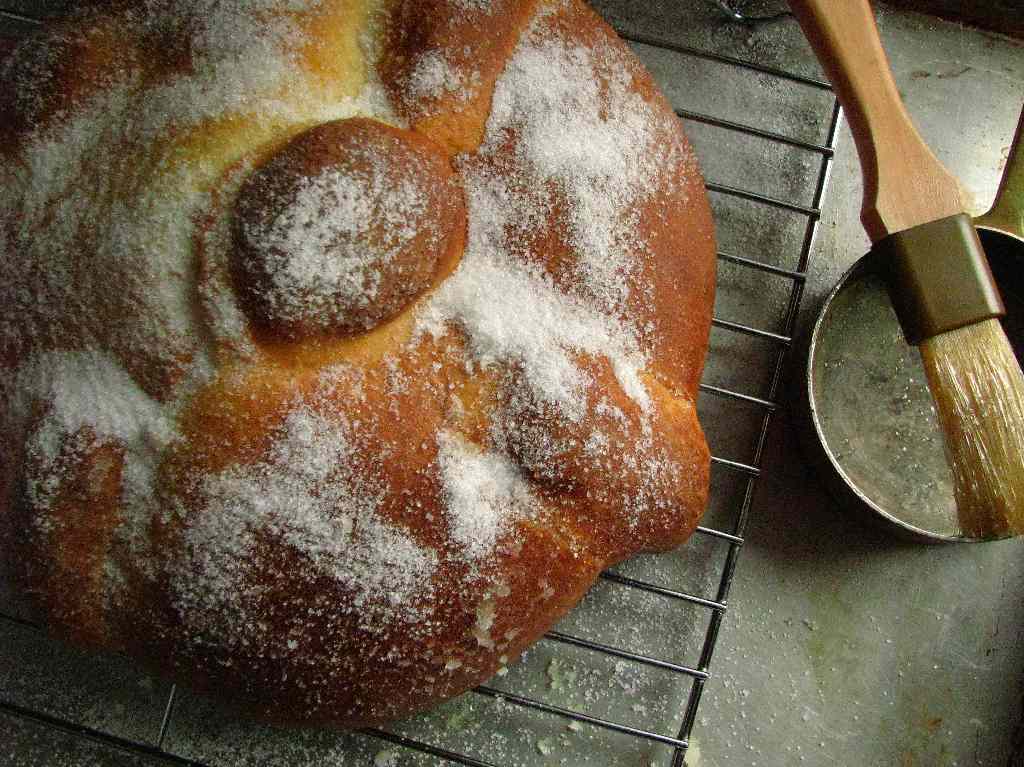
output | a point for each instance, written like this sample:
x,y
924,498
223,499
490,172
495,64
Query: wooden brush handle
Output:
x,y
904,185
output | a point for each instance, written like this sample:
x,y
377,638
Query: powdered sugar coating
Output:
x,y
475,5
589,140
240,59
314,494
514,315
435,77
327,248
485,495
579,143
82,391
112,345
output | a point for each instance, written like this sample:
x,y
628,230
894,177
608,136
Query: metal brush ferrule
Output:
x,y
938,277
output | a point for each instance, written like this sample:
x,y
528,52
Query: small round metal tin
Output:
x,y
870,425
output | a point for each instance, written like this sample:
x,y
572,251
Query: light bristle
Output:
x,y
979,393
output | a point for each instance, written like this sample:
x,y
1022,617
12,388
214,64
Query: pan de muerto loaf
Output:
x,y
343,342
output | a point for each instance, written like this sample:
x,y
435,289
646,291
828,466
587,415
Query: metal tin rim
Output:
x,y
841,485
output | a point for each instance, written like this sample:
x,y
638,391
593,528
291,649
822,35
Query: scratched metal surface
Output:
x,y
841,645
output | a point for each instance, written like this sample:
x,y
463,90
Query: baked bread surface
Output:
x,y
344,343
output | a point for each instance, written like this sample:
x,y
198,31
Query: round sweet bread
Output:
x,y
343,342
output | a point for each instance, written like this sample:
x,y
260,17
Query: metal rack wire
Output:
x,y
730,539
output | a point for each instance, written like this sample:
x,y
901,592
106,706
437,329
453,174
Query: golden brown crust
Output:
x,y
346,516
75,533
529,586
676,278
74,64
442,59
649,482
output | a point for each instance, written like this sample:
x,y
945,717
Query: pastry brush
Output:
x,y
939,280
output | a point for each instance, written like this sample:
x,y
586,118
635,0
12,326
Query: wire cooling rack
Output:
x,y
771,128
